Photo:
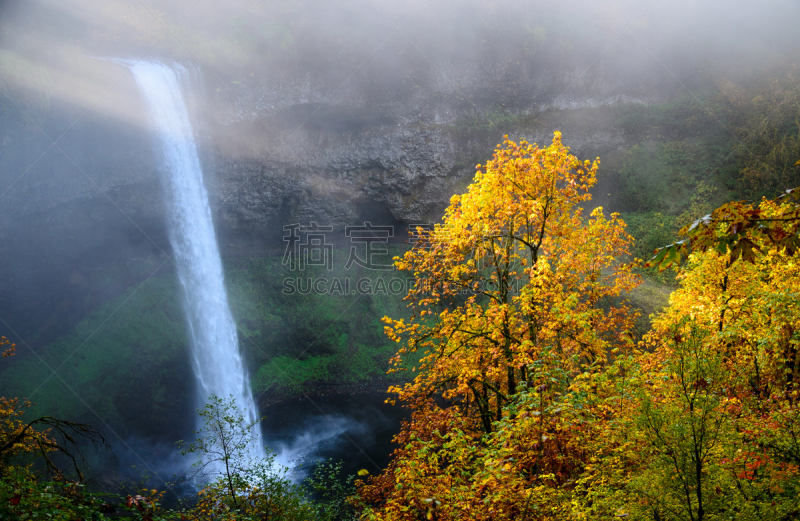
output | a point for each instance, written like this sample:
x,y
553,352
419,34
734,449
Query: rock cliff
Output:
x,y
332,149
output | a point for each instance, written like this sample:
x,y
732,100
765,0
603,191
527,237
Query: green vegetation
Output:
x,y
236,485
693,153
131,347
136,345
680,153
489,126
296,340
652,230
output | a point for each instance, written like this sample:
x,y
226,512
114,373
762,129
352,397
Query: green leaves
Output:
x,y
669,255
738,227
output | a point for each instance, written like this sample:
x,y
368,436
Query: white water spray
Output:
x,y
217,362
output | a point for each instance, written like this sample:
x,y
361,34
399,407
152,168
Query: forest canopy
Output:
x,y
534,400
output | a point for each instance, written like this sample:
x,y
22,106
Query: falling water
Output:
x,y
215,348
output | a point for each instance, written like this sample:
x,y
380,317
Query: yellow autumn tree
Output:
x,y
710,428
517,289
748,308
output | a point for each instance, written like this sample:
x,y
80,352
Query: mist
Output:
x,y
334,113
363,53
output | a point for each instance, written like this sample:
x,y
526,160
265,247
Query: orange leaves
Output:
x,y
740,227
511,289
8,352
531,400
147,504
16,436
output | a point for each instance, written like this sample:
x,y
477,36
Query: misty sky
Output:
x,y
50,47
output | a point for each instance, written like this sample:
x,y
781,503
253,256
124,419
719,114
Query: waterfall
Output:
x,y
217,362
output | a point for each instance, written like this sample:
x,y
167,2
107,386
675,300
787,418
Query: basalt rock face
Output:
x,y
296,152
275,152
381,171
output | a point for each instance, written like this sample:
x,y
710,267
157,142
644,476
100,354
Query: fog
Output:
x,y
372,52
335,112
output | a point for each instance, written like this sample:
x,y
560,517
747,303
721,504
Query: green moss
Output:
x,y
113,364
489,125
294,339
127,362
292,374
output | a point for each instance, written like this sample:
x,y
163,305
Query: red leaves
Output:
x,y
138,501
752,463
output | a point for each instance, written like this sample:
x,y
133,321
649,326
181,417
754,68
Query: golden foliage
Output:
x,y
517,292
531,400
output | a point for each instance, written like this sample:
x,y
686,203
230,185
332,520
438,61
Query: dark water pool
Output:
x,y
354,428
